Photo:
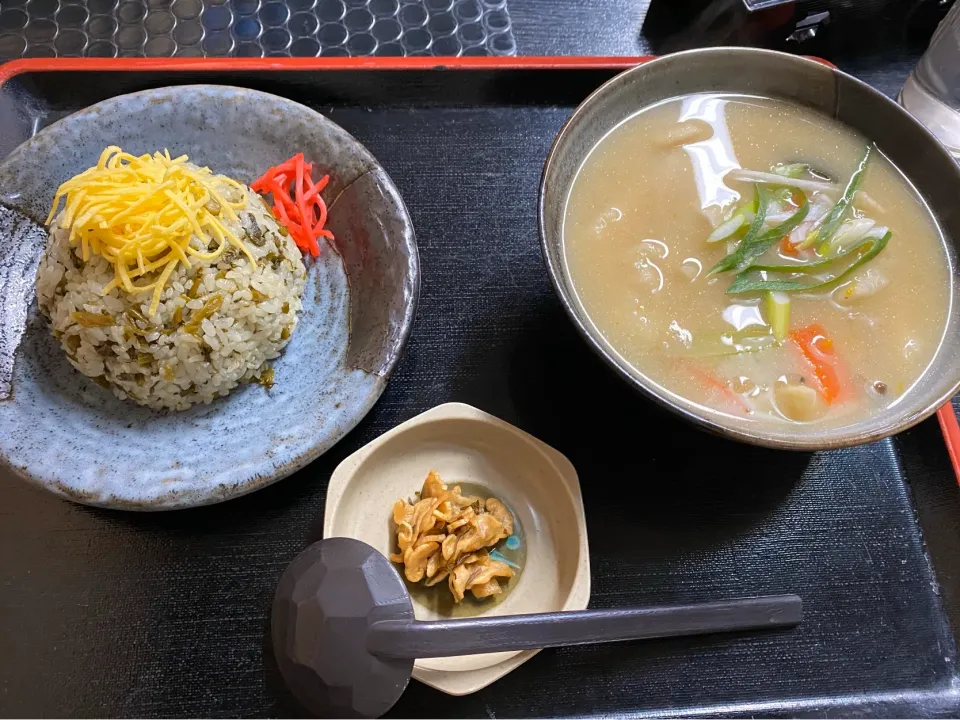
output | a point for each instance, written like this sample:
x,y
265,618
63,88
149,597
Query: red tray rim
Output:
x,y
947,418
529,62
950,429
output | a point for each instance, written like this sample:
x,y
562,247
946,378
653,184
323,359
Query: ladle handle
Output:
x,y
447,638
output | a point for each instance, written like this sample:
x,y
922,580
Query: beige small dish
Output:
x,y
466,445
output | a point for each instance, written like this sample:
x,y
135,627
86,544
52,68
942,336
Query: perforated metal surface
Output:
x,y
253,28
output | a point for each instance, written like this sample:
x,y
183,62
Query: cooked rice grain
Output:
x,y
189,351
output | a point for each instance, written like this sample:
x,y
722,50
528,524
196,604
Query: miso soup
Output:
x,y
759,259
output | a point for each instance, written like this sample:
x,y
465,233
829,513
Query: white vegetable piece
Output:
x,y
819,207
866,284
774,179
798,402
851,232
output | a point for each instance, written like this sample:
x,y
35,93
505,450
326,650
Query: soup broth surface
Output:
x,y
635,238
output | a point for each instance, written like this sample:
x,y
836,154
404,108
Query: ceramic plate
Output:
x,y
466,445
60,430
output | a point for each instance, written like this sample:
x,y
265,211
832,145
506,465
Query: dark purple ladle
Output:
x,y
345,637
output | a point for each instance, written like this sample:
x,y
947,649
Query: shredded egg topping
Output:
x,y
148,214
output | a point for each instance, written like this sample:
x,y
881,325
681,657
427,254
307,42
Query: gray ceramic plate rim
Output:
x,y
845,437
264,473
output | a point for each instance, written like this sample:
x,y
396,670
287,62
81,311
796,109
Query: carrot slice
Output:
x,y
719,386
787,247
817,349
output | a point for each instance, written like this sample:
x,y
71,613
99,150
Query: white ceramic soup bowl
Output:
x,y
907,143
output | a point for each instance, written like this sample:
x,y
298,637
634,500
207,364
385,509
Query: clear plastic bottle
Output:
x,y
932,92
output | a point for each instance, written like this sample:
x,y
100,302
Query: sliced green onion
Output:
x,y
753,338
791,170
760,202
778,314
852,231
818,265
725,230
755,243
782,194
746,284
826,229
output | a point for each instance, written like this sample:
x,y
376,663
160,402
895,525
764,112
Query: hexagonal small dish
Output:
x,y
467,446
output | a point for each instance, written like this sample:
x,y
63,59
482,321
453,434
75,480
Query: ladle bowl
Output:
x,y
345,637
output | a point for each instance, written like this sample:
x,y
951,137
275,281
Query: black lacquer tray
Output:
x,y
116,614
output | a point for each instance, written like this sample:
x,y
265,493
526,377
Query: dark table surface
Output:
x,y
184,633
615,27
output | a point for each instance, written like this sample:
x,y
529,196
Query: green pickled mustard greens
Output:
x,y
196,319
91,320
825,230
745,283
778,314
754,245
266,378
818,265
137,315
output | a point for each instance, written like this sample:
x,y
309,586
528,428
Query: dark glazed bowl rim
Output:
x,y
678,67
